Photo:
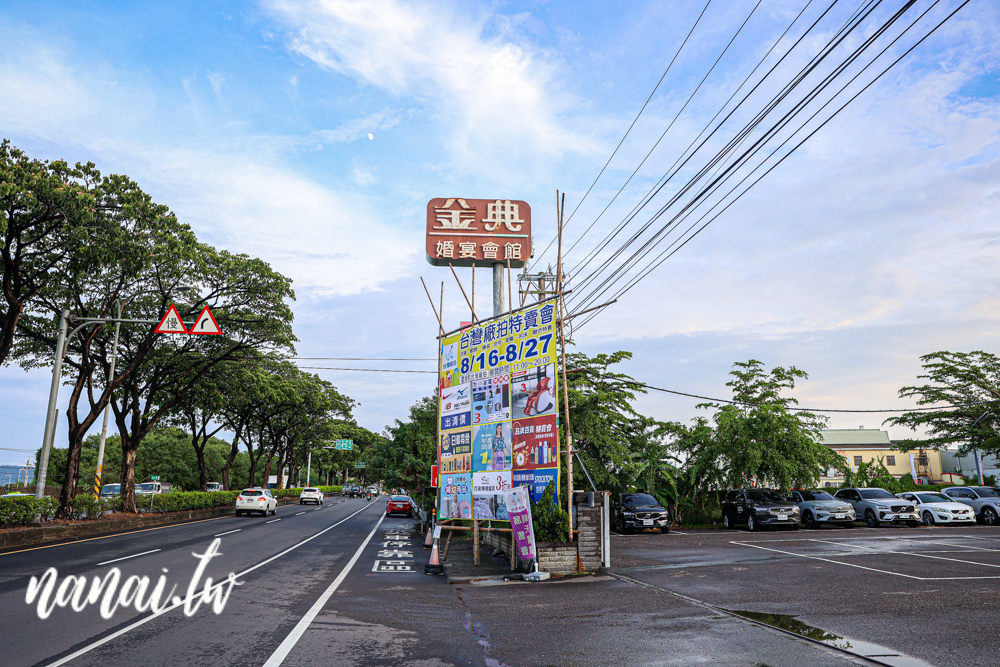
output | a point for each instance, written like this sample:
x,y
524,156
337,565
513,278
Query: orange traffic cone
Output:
x,y
434,566
430,538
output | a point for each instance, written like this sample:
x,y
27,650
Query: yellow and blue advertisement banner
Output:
x,y
498,400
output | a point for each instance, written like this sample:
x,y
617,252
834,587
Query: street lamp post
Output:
x,y
975,450
43,463
50,417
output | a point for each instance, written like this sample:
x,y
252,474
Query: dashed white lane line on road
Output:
x,y
272,520
317,509
143,621
300,628
152,551
228,532
298,513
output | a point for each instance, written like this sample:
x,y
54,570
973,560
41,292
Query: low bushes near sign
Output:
x,y
551,522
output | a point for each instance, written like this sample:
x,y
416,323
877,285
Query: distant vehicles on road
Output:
x,y
351,491
818,508
399,505
214,486
310,495
984,500
150,488
935,508
878,506
639,511
759,508
256,500
111,490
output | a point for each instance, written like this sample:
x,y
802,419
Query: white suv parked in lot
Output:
x,y
984,501
937,508
256,500
878,506
310,495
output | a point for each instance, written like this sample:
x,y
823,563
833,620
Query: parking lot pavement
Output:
x,y
926,592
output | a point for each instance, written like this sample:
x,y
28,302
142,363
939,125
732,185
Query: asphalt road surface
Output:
x,y
344,585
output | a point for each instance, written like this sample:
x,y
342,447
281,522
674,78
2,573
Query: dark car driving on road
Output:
x,y
759,508
637,511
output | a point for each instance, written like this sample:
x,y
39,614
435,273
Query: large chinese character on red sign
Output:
x,y
463,232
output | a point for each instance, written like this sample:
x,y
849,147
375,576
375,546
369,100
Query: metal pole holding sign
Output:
x,y
50,418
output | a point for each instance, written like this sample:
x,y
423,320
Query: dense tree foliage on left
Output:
x,y
78,241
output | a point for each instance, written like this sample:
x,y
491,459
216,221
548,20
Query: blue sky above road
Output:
x,y
873,244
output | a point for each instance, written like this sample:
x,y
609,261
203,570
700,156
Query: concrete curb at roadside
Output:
x,y
51,535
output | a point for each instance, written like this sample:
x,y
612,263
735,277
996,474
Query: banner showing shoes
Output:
x,y
498,393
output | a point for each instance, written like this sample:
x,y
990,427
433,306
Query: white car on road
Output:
x,y
938,508
256,500
310,495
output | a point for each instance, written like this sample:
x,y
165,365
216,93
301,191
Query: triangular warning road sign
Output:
x,y
171,322
205,325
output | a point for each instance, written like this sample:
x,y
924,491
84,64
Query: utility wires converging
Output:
x,y
725,160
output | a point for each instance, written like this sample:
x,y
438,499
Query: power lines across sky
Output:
x,y
829,54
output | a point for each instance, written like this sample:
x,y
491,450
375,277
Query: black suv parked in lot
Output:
x,y
759,508
633,511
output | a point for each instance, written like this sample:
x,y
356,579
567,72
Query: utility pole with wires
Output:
x,y
542,284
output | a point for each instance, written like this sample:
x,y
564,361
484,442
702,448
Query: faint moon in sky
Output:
x,y
370,136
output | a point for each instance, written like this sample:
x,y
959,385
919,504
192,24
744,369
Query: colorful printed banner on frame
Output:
x,y
491,447
456,492
519,511
456,451
498,405
488,494
536,480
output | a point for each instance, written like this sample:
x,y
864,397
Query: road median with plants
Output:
x,y
96,517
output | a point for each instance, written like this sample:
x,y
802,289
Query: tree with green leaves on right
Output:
x,y
759,438
968,380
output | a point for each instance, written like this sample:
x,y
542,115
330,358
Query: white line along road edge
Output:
x,y
114,635
300,628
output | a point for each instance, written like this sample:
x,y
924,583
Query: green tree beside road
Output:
x,y
970,380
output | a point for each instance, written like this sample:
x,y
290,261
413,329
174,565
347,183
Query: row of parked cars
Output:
x,y
958,505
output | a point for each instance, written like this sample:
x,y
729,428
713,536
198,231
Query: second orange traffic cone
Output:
x,y
435,566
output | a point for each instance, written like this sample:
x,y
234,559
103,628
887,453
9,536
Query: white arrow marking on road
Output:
x,y
127,557
300,628
129,628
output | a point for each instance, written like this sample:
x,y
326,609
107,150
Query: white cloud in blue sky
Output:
x,y
875,243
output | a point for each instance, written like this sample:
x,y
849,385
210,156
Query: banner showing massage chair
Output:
x,y
498,393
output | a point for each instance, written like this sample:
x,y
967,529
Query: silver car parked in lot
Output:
x,y
820,509
984,500
878,506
